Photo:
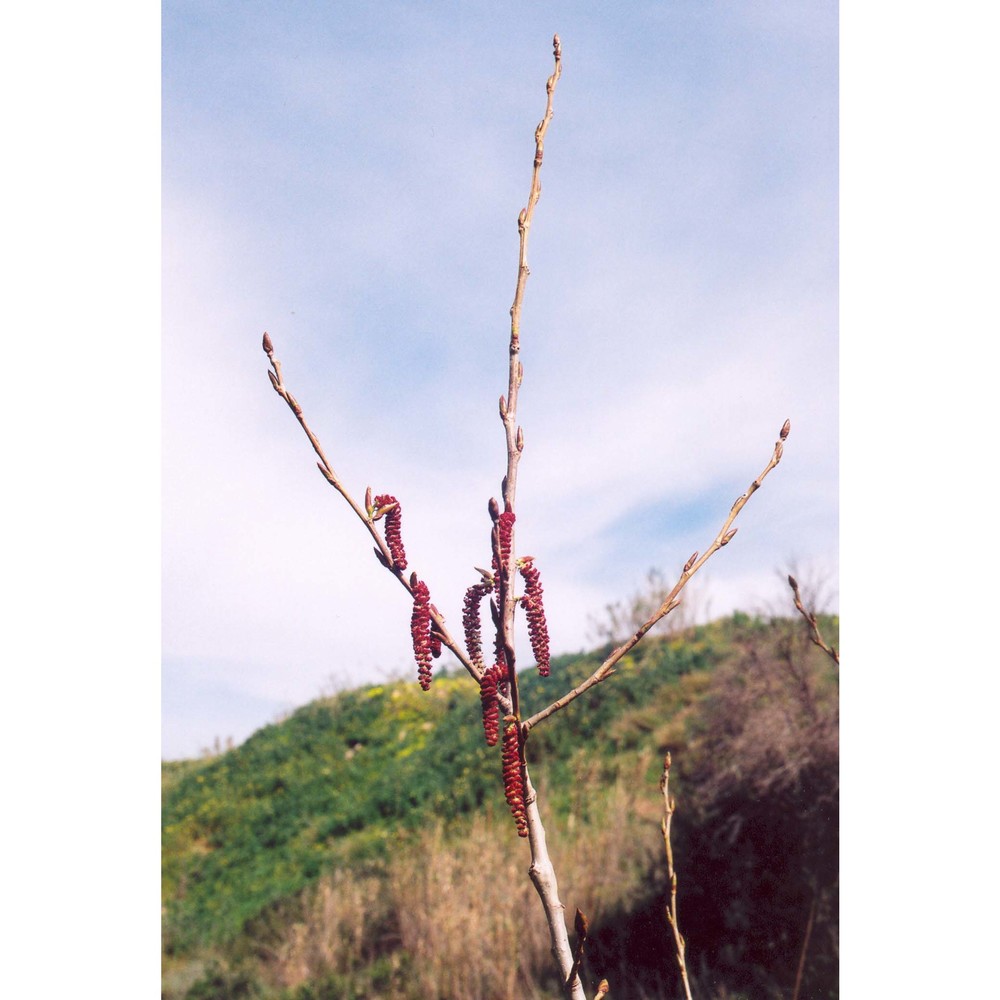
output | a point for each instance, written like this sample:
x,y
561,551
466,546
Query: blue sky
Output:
x,y
348,178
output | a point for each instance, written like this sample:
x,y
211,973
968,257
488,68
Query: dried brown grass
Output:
x,y
458,904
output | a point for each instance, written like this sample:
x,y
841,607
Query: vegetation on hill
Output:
x,y
352,850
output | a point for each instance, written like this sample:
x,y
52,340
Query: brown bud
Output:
x,y
580,924
268,346
521,218
503,408
413,579
667,761
728,536
690,562
785,428
494,508
779,450
519,439
274,381
381,558
792,582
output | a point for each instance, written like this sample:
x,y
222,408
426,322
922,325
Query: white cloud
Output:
x,y
681,305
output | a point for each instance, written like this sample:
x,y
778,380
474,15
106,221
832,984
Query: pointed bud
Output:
x,y
690,562
381,558
503,408
580,924
368,502
779,450
274,380
785,428
728,536
268,346
519,440
792,582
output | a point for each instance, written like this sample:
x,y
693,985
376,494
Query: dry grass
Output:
x,y
459,905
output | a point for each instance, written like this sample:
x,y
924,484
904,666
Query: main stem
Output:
x,y
541,871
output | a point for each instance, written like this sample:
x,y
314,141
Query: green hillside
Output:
x,y
350,786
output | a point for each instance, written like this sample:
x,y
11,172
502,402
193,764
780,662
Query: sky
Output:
x,y
348,178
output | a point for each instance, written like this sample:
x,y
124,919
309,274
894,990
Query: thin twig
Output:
x,y
805,947
580,925
671,910
725,535
364,514
810,617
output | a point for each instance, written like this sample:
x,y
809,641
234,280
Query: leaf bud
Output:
x,y
728,536
690,562
268,346
785,428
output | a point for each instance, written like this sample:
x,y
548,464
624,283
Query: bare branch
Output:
x,y
580,925
365,514
508,405
671,910
725,535
810,617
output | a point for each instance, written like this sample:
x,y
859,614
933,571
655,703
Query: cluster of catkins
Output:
x,y
495,682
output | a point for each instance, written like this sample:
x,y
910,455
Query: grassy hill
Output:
x,y
363,794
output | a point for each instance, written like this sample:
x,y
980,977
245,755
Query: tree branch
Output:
x,y
366,514
724,537
810,617
671,910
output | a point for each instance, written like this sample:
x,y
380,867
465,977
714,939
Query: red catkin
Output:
x,y
420,629
505,524
393,529
531,602
491,706
471,621
513,784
